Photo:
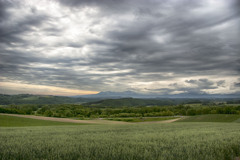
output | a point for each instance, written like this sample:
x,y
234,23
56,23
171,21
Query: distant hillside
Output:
x,y
131,94
128,102
133,102
39,99
101,102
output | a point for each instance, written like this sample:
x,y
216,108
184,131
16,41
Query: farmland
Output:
x,y
192,140
10,121
114,129
212,118
153,119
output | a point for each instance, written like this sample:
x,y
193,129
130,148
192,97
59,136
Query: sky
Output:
x,y
77,47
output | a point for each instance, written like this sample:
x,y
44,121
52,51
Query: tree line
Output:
x,y
80,111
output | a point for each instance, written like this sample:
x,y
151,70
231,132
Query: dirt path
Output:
x,y
165,121
97,121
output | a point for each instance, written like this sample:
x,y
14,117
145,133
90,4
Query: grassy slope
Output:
x,y
142,119
198,141
10,121
212,118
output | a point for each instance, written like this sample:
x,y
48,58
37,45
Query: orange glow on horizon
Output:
x,y
21,88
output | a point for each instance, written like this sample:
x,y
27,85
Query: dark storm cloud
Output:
x,y
12,28
3,13
196,87
4,8
16,65
221,83
142,41
107,6
236,84
202,83
184,50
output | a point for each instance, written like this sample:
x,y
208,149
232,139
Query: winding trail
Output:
x,y
98,121
165,121
95,121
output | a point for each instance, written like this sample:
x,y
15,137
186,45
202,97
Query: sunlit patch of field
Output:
x,y
212,118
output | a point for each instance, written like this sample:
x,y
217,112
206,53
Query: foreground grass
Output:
x,y
212,118
183,141
10,121
145,119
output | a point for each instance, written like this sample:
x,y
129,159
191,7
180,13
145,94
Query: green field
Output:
x,y
145,119
169,141
212,118
10,121
173,141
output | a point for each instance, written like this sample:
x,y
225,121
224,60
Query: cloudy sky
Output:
x,y
74,47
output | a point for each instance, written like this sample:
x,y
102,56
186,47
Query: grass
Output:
x,y
145,119
174,141
10,121
31,98
212,118
237,121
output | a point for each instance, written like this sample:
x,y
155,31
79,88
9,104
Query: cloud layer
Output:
x,y
155,46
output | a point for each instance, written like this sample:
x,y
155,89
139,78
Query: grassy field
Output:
x,y
145,119
212,118
173,141
10,121
170,141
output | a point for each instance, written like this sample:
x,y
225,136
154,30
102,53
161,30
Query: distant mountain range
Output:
x,y
131,94
127,98
41,99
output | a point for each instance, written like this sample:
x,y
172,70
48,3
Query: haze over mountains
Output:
x,y
132,94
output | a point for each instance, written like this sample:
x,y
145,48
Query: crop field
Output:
x,y
10,121
212,118
170,141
